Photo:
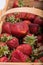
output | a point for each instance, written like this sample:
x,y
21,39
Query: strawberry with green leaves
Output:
x,y
4,50
18,56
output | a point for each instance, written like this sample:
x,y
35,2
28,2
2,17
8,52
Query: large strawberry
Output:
x,y
19,55
19,29
4,50
6,27
4,59
12,43
18,3
34,28
25,48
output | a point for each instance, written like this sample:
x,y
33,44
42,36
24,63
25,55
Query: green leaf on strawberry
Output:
x,y
4,50
30,39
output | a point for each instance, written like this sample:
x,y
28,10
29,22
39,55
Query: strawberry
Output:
x,y
18,3
5,37
4,59
21,15
39,37
30,16
12,43
6,28
27,22
10,18
19,55
25,48
38,20
19,29
34,28
4,50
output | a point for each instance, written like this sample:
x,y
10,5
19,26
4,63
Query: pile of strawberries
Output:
x,y
21,39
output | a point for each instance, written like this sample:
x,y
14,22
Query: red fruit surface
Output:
x,y
2,44
27,22
34,28
30,16
19,55
13,43
13,59
38,21
25,48
15,4
21,15
39,37
4,59
6,28
19,29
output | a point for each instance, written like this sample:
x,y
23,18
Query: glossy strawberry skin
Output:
x,y
6,28
19,29
38,21
25,48
19,55
34,28
13,43
4,59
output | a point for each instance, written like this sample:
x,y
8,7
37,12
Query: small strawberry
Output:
x,y
12,43
4,59
34,28
25,48
6,27
19,29
4,50
19,55
38,20
18,3
30,16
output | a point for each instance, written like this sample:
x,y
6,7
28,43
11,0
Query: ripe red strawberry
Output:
x,y
18,3
34,28
39,37
6,28
19,29
4,59
25,48
4,50
38,20
30,16
21,15
27,22
12,43
19,55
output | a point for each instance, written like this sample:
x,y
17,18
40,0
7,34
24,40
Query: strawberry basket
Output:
x,y
21,31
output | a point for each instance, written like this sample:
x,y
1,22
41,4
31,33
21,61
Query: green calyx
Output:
x,y
30,39
10,19
4,51
21,3
4,38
